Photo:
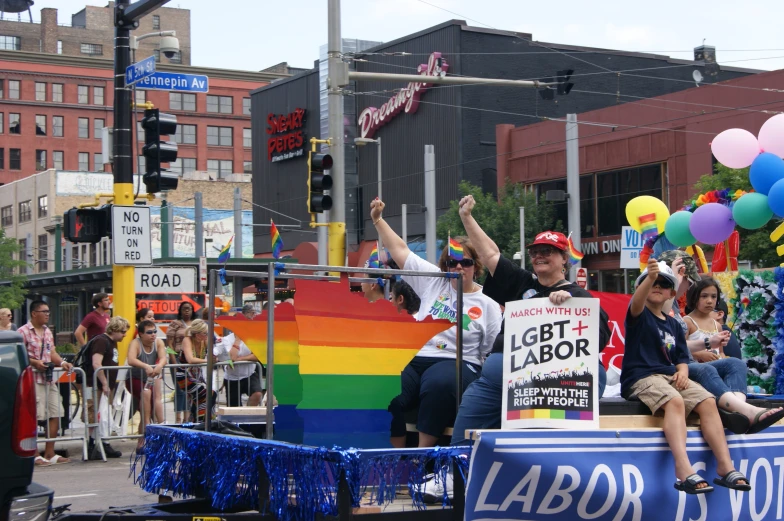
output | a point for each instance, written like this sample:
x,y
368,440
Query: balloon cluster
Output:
x,y
711,217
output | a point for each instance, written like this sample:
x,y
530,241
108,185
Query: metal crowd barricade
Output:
x,y
57,375
270,275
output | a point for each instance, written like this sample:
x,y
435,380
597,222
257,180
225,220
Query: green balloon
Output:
x,y
751,211
677,229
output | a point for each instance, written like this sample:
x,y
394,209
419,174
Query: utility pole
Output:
x,y
573,184
430,204
337,215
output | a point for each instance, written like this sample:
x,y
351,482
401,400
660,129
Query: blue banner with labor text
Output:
x,y
609,475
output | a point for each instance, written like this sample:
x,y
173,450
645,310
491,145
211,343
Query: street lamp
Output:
x,y
360,142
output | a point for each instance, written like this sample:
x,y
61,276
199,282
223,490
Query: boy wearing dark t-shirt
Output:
x,y
656,371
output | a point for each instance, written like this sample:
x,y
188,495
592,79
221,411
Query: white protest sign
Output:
x,y
551,357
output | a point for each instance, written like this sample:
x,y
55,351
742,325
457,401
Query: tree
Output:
x,y
12,293
755,245
500,219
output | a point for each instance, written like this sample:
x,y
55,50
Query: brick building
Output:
x,y
52,108
91,33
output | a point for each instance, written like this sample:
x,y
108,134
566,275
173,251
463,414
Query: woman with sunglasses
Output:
x,y
6,324
191,379
507,282
429,379
148,354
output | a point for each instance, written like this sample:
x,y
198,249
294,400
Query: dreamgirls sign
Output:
x,y
406,100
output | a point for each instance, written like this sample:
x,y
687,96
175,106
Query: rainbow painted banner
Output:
x,y
337,363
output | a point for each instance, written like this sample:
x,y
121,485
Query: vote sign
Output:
x,y
166,305
131,237
551,356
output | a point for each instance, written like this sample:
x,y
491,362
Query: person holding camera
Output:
x,y
39,342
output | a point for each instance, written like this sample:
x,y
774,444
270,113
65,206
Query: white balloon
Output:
x,y
735,148
771,135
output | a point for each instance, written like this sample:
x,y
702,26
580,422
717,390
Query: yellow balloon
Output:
x,y
647,205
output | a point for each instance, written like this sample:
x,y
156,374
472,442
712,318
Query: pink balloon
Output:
x,y
771,135
735,148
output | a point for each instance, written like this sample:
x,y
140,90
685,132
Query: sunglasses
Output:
x,y
151,332
466,263
664,284
546,251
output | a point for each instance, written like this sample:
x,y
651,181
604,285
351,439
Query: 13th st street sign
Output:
x,y
174,81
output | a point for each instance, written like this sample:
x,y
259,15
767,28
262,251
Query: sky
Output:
x,y
255,34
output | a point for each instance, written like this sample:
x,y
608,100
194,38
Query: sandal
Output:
x,y
734,422
58,459
731,481
760,425
40,461
689,485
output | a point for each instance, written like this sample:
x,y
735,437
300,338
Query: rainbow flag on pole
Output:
x,y
575,255
455,249
277,241
225,253
373,260
648,226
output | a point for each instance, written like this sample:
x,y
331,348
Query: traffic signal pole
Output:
x,y
336,231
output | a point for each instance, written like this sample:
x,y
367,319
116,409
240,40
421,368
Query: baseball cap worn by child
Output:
x,y
688,261
664,272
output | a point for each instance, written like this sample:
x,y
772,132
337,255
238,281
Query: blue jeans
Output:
x,y
480,407
727,375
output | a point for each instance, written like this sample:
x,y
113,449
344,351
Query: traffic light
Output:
x,y
87,224
155,151
318,181
563,81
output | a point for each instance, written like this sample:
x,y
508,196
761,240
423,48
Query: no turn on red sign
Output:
x,y
582,277
166,305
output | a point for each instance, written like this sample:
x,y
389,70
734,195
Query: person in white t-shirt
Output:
x,y
428,381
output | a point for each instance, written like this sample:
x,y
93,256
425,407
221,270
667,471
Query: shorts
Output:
x,y
657,389
88,391
47,401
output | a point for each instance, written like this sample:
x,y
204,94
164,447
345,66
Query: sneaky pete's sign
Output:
x,y
551,356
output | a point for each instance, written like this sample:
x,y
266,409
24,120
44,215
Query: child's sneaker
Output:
x,y
432,489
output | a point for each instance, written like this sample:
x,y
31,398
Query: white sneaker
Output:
x,y
432,489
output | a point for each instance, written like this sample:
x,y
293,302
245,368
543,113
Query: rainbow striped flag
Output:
x,y
648,226
575,255
455,249
277,241
225,253
373,260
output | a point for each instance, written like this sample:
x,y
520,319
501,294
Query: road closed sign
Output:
x,y
166,305
131,237
165,279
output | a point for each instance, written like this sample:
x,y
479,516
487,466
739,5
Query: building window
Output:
x,y
156,22
1,122
615,189
23,255
2,158
57,92
141,96
246,140
219,136
13,89
188,164
43,253
98,124
15,158
2,83
97,95
84,161
181,101
142,162
221,104
57,126
246,106
221,167
57,159
93,254
40,91
25,211
98,162
186,134
157,54
84,128
10,43
59,47
40,125
14,123
247,167
92,49
105,248
40,161
83,94
7,215
175,167
176,57
43,206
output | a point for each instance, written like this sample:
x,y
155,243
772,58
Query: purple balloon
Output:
x,y
712,223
